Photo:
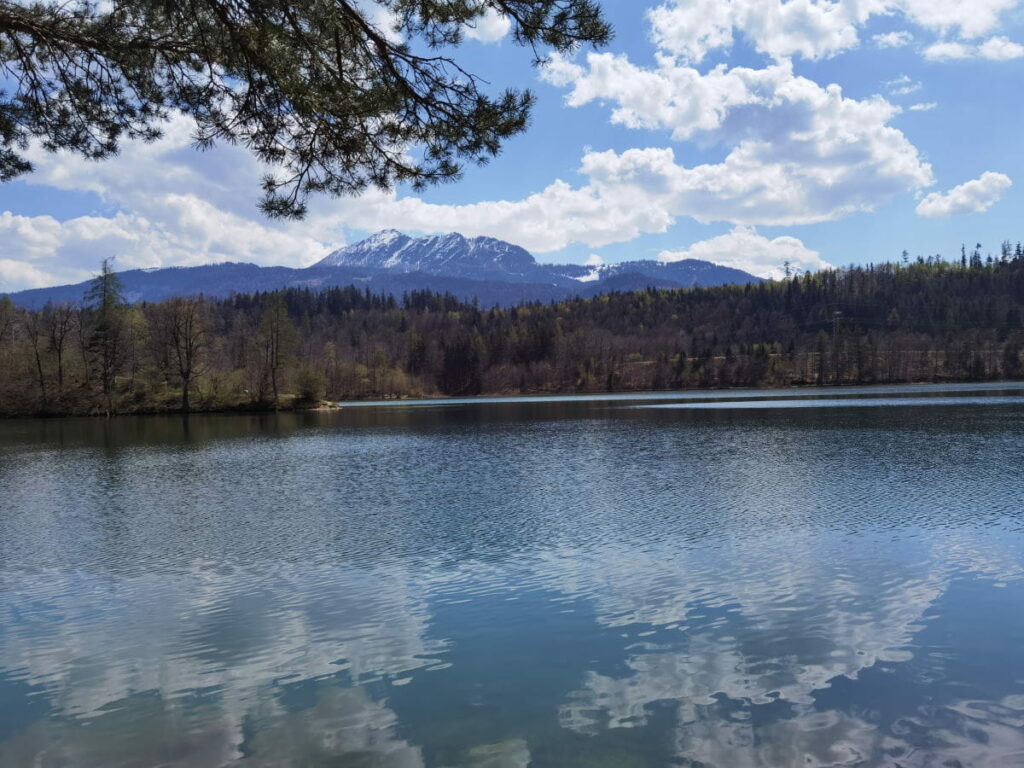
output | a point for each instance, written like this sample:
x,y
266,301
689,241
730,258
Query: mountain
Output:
x,y
484,268
658,274
451,255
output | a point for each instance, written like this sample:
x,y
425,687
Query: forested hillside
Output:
x,y
928,320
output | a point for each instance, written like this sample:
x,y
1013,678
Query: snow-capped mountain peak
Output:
x,y
449,254
454,256
390,262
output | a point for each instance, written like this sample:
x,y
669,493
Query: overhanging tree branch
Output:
x,y
314,89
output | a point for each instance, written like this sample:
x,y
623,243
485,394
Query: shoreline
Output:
x,y
326,406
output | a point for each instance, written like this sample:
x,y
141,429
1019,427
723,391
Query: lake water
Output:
x,y
723,579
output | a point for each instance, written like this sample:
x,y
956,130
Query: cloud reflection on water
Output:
x,y
735,590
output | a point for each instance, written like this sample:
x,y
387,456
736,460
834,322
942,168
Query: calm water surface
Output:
x,y
722,579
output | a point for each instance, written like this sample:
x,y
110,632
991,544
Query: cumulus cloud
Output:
x,y
893,39
945,50
1000,49
645,191
800,152
18,274
812,29
743,248
994,49
40,250
172,206
168,205
969,20
489,28
382,17
191,231
973,196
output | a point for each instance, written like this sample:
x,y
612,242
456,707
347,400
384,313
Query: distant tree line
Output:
x,y
923,320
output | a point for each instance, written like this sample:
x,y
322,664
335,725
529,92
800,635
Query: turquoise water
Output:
x,y
705,579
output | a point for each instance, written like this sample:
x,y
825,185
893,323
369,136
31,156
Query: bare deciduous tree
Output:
x,y
182,330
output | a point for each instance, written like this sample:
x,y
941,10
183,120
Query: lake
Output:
x,y
814,577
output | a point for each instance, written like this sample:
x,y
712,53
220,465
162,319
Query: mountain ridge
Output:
x,y
492,271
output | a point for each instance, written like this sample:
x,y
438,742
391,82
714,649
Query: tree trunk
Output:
x,y
42,377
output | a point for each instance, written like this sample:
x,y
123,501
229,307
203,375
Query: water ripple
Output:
x,y
542,583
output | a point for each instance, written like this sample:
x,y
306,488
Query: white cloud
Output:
x,y
926,106
902,86
693,29
141,174
170,205
26,237
190,231
593,260
595,214
489,28
645,191
1000,49
968,19
560,71
382,17
812,29
973,196
893,39
16,275
800,152
994,49
743,248
945,50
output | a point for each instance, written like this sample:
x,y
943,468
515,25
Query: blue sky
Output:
x,y
746,132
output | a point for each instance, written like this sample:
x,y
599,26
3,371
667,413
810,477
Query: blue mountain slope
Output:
x,y
489,270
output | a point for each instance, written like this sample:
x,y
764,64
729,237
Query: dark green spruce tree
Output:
x,y
106,346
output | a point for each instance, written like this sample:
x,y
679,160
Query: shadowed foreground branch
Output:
x,y
330,96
